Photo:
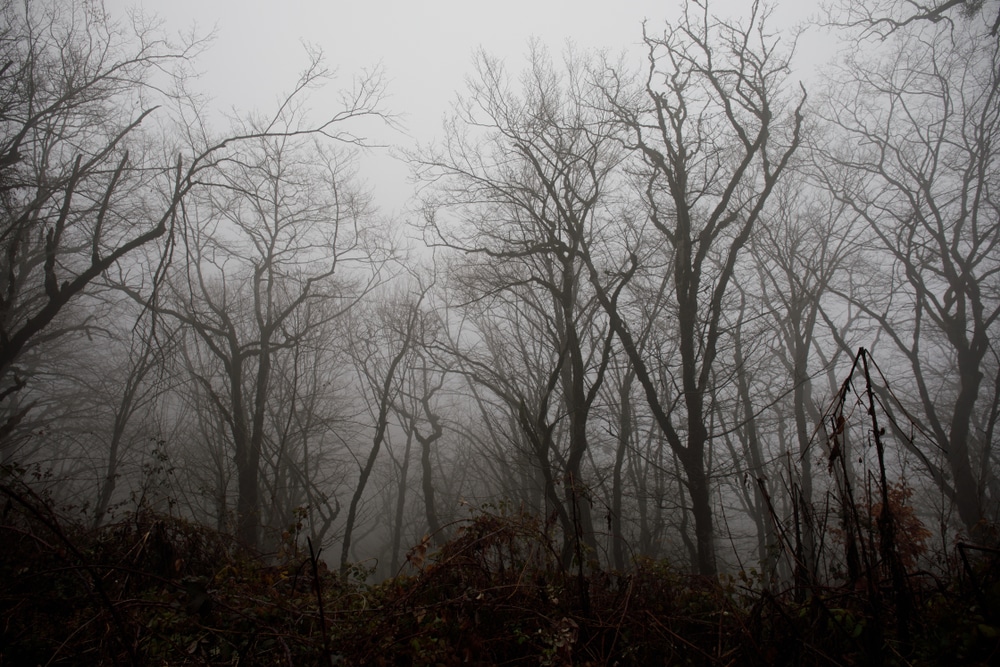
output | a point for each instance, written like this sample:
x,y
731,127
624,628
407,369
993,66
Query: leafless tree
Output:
x,y
381,341
279,240
713,131
806,252
522,176
914,158
883,18
80,190
133,394
422,418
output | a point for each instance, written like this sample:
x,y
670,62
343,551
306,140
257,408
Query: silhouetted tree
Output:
x,y
713,131
279,242
915,159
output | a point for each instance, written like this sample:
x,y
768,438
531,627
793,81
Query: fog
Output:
x,y
676,282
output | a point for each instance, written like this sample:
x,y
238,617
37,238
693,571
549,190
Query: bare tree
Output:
x,y
279,241
419,417
882,18
137,389
380,344
305,452
521,178
79,190
419,412
87,190
713,132
914,158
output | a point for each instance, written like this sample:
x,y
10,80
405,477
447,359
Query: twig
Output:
x,y
317,586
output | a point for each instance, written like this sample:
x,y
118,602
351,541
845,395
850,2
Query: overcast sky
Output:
x,y
424,46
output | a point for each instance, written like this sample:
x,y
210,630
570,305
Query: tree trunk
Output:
x,y
397,528
624,441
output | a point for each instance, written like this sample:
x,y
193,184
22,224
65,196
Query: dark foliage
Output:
x,y
153,589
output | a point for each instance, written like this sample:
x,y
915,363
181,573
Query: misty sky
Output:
x,y
425,48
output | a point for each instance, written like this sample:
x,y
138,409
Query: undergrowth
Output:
x,y
156,590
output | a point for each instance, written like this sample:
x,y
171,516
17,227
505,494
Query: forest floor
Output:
x,y
156,590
